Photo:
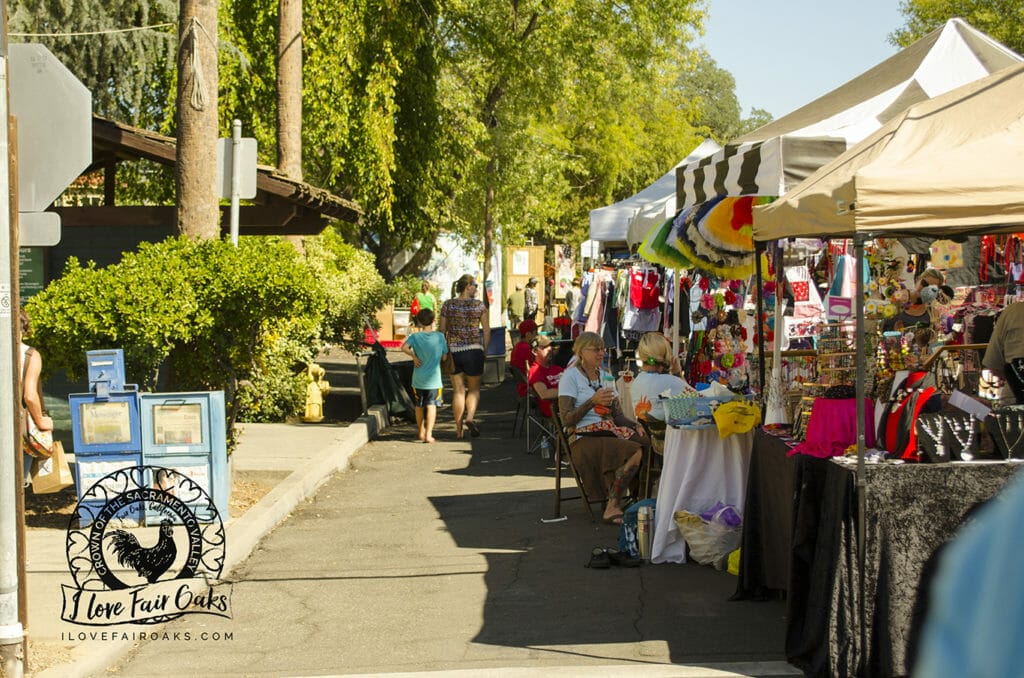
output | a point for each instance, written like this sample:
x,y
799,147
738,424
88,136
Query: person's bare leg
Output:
x,y
420,423
431,417
458,401
472,397
613,509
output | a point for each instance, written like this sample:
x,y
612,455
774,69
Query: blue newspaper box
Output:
x,y
106,371
106,435
186,433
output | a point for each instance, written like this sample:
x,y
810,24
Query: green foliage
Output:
x,y
256,301
144,304
353,287
209,315
1002,20
130,74
567,105
433,116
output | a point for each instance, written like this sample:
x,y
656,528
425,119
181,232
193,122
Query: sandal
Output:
x,y
474,430
599,559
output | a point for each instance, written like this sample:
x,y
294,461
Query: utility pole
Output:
x,y
11,632
196,168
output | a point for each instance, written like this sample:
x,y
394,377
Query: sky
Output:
x,y
787,53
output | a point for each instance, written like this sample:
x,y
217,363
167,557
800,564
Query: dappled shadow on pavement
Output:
x,y
539,594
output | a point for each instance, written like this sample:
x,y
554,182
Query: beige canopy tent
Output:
x,y
948,165
775,158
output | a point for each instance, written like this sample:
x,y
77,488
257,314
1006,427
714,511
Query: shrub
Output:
x,y
353,287
206,314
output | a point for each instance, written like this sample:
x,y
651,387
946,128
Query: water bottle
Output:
x,y
607,379
545,448
645,531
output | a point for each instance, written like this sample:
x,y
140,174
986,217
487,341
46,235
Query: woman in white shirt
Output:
x,y
659,374
605,449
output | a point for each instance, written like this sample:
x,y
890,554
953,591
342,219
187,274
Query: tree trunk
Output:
x,y
489,231
196,170
289,88
289,93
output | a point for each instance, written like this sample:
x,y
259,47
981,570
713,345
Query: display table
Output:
x,y
699,469
911,510
767,520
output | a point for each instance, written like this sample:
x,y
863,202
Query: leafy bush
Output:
x,y
145,304
258,322
354,288
201,314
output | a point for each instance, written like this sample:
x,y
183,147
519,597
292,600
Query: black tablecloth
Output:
x,y
911,510
768,520
800,537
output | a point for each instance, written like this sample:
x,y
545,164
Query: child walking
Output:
x,y
426,348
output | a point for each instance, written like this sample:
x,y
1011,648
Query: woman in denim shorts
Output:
x,y
462,318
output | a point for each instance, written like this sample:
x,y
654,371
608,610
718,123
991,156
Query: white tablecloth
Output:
x,y
699,469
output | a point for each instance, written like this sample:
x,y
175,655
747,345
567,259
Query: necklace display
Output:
x,y
936,436
955,428
1014,427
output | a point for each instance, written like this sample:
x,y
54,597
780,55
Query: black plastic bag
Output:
x,y
384,387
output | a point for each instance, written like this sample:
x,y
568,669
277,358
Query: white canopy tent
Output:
x,y
612,223
656,211
776,157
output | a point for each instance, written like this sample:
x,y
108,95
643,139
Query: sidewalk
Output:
x,y
293,459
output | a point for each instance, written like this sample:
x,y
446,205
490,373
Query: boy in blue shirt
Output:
x,y
426,348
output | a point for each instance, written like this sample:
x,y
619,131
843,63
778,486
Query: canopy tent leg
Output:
x,y
858,253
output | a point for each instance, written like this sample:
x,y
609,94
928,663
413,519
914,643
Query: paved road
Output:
x,y
433,558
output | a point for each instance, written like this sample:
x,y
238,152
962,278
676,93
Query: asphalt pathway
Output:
x,y
434,558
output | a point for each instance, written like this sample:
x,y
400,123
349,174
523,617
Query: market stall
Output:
x,y
776,157
938,168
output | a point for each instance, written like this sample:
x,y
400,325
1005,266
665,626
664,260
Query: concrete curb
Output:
x,y
93,657
246,532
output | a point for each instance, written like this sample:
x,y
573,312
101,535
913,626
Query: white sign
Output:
x,y
247,168
521,262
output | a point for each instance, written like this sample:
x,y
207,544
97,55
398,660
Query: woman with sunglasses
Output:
x,y
606,449
462,318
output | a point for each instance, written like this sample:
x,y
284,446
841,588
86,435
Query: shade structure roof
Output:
x,y
950,165
612,222
776,157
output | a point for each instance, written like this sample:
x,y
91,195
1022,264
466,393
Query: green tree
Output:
x,y
129,72
353,287
533,81
1003,20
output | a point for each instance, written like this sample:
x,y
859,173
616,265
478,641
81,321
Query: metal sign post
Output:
x,y
236,176
236,171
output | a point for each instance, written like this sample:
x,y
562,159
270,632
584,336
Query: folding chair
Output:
x,y
655,430
523,405
562,434
530,418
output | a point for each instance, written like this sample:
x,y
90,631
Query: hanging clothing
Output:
x,y
644,287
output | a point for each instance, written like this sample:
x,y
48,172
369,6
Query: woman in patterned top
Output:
x,y
462,318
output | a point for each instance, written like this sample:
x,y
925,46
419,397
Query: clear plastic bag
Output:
x,y
709,542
